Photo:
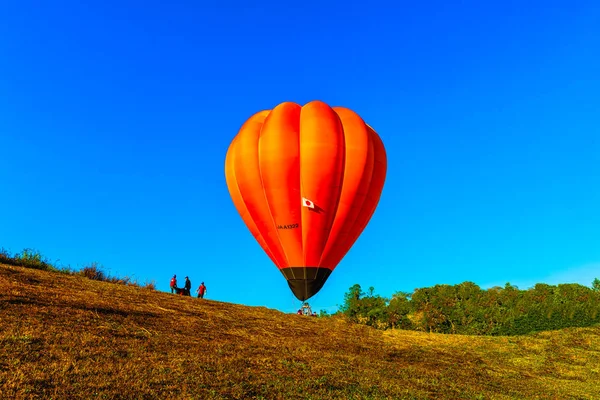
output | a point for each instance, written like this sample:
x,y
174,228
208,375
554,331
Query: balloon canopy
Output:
x,y
306,181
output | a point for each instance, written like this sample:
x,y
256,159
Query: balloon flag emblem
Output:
x,y
306,181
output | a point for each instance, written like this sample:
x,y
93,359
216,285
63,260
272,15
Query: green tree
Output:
x,y
398,310
351,306
367,308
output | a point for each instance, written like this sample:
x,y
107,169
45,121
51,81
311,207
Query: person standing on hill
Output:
x,y
173,283
201,290
188,286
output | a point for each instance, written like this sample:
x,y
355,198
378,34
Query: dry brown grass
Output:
x,y
64,336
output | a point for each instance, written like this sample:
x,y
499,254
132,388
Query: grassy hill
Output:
x,y
65,336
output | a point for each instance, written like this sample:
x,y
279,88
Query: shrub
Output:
x,y
28,258
93,271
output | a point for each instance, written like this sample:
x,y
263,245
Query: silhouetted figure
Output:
x,y
187,286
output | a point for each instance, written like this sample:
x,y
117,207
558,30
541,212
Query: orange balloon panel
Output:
x,y
306,181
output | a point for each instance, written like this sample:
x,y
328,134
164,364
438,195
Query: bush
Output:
x,y
28,258
93,271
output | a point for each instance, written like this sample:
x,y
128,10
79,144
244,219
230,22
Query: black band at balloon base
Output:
x,y
305,282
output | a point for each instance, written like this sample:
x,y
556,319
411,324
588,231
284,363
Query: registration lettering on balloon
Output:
x,y
290,226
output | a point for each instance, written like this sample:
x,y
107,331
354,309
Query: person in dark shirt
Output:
x,y
188,286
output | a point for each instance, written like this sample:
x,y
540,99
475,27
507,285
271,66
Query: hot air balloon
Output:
x,y
306,181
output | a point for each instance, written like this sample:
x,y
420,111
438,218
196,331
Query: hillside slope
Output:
x,y
64,336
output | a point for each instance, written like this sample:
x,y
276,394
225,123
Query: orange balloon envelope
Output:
x,y
306,181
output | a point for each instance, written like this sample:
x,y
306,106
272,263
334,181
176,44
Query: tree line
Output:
x,y
466,308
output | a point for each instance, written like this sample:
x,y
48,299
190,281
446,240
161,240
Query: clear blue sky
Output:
x,y
115,119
